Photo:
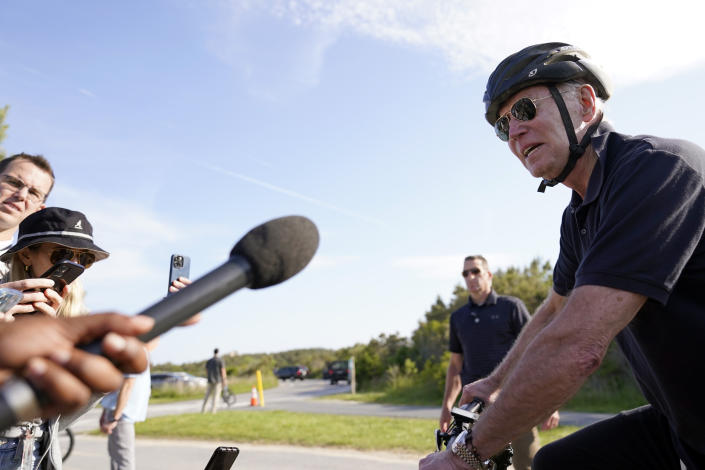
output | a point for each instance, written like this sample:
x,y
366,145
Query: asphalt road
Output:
x,y
90,452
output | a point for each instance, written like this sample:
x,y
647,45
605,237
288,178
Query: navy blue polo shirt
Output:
x,y
640,229
484,334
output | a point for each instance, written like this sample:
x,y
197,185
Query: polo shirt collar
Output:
x,y
490,300
599,144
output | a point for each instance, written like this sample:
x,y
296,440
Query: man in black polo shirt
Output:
x,y
481,334
631,266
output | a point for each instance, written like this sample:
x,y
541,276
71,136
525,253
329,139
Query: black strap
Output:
x,y
576,150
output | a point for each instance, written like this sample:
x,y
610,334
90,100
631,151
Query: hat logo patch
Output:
x,y
78,226
532,73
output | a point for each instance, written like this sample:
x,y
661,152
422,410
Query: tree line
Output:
x,y
3,128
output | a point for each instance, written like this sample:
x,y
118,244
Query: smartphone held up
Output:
x,y
9,298
223,458
63,273
179,266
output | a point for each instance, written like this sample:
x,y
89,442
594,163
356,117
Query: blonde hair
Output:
x,y
73,304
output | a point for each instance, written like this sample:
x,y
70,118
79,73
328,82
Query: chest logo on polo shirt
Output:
x,y
494,316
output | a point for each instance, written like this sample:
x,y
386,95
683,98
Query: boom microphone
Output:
x,y
267,255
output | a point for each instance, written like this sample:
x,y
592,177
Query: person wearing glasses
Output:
x,y
45,238
631,266
481,333
25,183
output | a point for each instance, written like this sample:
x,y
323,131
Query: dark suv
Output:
x,y
291,372
338,370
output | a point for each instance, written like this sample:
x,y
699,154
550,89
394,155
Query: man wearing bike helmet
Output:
x,y
631,267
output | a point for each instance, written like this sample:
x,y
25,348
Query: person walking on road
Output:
x,y
217,379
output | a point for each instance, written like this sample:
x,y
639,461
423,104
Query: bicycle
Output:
x,y
67,441
228,397
464,418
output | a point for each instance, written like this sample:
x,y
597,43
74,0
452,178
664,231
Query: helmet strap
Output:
x,y
576,150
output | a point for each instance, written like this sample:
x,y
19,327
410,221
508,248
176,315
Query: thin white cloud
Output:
x,y
260,161
294,194
87,93
634,40
294,57
126,222
31,70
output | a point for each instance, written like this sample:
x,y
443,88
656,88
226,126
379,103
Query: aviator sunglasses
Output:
x,y
523,110
85,258
474,271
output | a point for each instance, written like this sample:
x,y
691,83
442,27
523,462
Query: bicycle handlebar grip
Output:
x,y
475,406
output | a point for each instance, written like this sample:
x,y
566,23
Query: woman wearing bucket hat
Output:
x,y
46,237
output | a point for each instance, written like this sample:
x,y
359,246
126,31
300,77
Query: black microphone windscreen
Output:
x,y
278,249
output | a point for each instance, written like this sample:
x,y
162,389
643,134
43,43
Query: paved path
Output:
x,y
156,454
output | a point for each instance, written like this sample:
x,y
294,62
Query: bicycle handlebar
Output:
x,y
464,417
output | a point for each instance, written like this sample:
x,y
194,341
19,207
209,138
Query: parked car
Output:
x,y
338,370
291,372
181,380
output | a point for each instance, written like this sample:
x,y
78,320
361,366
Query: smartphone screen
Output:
x,y
9,298
179,266
223,458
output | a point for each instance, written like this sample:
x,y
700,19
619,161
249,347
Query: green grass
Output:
x,y
301,429
590,401
587,400
368,433
364,397
171,394
557,433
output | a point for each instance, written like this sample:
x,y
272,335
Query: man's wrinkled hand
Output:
x,y
442,461
484,389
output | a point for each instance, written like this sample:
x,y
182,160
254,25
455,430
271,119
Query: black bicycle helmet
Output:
x,y
547,64
551,62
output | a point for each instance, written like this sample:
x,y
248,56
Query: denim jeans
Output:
x,y
9,458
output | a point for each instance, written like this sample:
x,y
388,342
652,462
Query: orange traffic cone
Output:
x,y
253,399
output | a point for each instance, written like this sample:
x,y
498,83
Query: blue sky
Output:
x,y
177,126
